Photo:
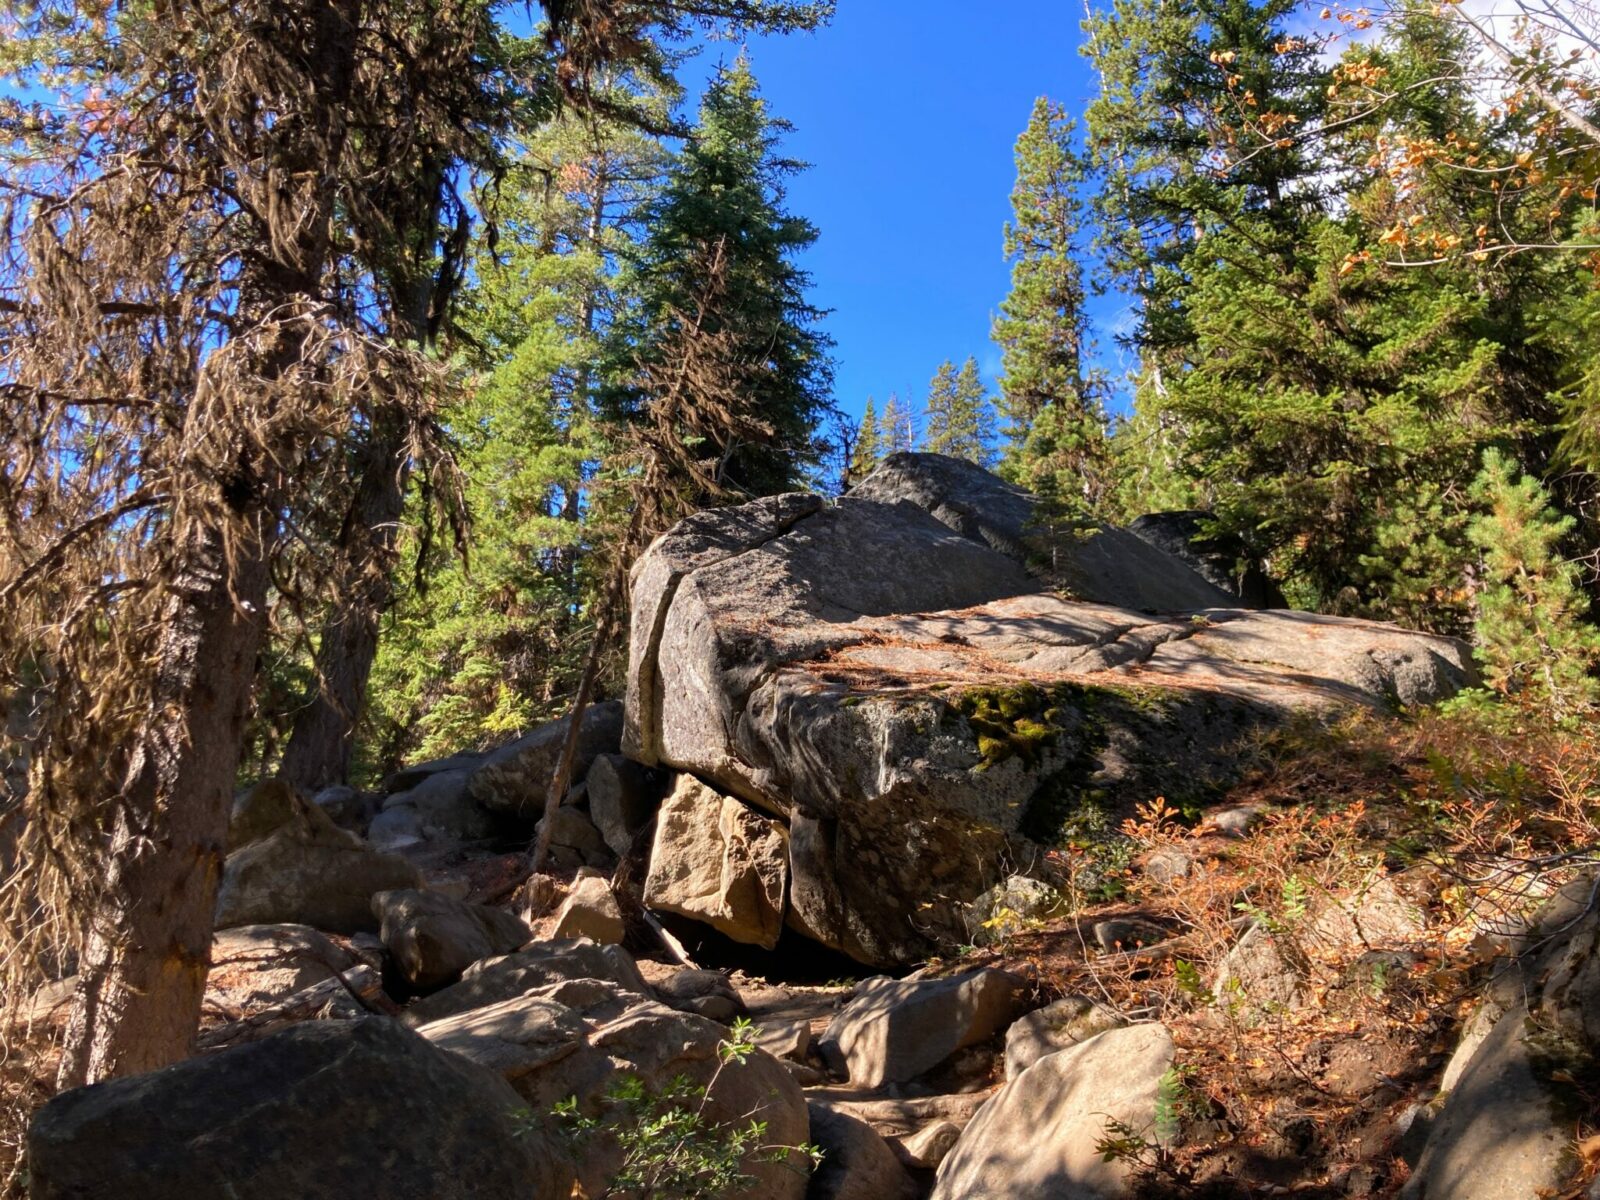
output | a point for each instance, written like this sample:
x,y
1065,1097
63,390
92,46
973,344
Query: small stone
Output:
x,y
591,910
926,1149
1165,866
1125,933
1236,821
791,1040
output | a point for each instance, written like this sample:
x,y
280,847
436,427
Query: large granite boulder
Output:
x,y
322,1111
577,1039
1512,1094
1038,1137
913,703
308,872
717,860
513,780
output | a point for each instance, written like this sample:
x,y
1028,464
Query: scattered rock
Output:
x,y
407,778
513,779
1127,933
319,1111
1053,1028
718,861
571,828
856,1163
790,1040
705,992
591,911
255,966
260,810
575,1039
1165,866
1262,973
622,799
308,872
1036,1138
538,965
894,1030
434,938
346,807
444,809
928,1147
1009,906
1379,914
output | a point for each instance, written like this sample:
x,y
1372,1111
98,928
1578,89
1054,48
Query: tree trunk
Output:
x,y
143,971
320,744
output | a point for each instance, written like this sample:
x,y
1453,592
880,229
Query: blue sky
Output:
x,y
908,113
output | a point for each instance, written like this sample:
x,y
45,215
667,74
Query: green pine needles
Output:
x,y
1533,639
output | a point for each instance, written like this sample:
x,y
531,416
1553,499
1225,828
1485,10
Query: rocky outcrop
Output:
x,y
1103,564
1515,1087
574,1040
911,702
717,860
894,1030
323,1111
1038,1137
433,938
512,781
308,872
437,808
1223,562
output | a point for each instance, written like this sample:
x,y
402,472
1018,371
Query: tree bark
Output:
x,y
143,971
320,744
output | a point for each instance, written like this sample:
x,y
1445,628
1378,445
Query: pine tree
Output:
x,y
1532,633
1042,326
943,432
898,429
722,210
960,417
869,444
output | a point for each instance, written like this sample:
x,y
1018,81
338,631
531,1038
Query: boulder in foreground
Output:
x,y
323,1111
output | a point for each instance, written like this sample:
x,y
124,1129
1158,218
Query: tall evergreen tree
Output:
x,y
722,212
869,444
960,417
1043,325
